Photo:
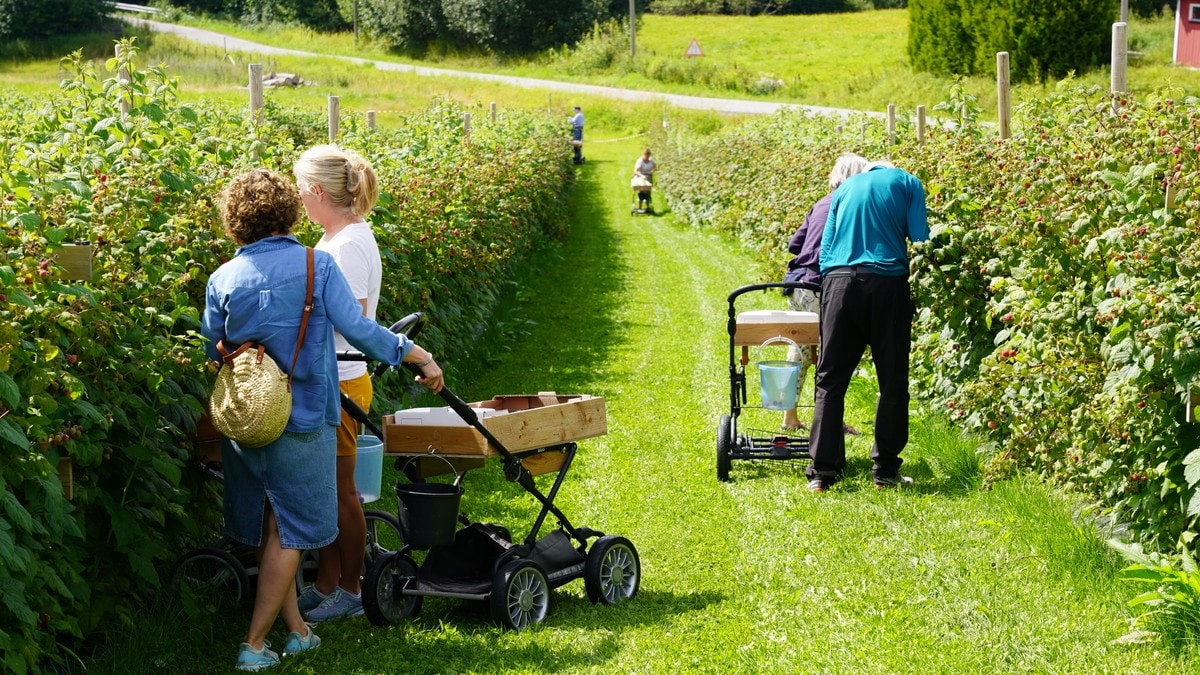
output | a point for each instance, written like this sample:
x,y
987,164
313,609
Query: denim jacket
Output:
x,y
259,296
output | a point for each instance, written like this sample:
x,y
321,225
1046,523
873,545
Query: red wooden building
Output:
x,y
1187,33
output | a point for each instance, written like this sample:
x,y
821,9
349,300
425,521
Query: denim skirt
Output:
x,y
297,474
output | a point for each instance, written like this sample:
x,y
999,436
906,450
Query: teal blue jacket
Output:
x,y
870,217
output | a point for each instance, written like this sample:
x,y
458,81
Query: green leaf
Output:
x,y
9,393
1191,467
17,515
1193,508
12,594
12,434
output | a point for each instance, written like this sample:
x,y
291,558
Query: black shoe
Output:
x,y
892,481
818,484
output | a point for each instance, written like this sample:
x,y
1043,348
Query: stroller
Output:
x,y
484,562
641,186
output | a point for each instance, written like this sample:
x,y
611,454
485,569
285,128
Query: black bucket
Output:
x,y
428,513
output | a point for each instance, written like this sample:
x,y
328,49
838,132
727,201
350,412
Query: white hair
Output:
x,y
847,165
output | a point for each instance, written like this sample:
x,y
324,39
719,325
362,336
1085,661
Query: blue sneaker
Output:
x,y
310,599
338,605
296,644
250,658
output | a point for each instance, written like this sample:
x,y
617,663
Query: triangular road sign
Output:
x,y
693,49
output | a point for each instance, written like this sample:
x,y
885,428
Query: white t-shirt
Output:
x,y
643,165
357,255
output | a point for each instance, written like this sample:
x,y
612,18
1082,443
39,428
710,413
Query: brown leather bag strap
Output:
x,y
308,307
228,356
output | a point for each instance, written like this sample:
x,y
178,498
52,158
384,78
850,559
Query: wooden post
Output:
x,y
333,119
1169,199
891,123
256,92
1003,102
921,125
839,130
864,130
1120,57
467,127
123,76
371,120
493,111
632,28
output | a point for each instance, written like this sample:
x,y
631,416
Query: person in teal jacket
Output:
x,y
866,301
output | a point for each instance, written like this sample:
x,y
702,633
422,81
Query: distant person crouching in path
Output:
x,y
866,301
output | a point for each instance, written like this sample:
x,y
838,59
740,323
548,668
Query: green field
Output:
x,y
756,575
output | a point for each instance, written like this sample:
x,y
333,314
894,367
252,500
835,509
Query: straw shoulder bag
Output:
x,y
251,401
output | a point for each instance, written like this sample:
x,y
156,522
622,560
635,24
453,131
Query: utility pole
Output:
x,y
1125,11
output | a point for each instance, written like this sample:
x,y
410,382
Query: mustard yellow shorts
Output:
x,y
359,390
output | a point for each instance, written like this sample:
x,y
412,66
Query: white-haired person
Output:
x,y
805,245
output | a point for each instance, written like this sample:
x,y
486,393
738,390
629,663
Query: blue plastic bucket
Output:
x,y
778,380
368,468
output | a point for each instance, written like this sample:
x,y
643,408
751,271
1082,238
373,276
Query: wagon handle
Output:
x,y
513,469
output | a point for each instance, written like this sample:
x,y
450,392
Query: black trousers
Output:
x,y
859,310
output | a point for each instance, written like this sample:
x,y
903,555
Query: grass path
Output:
x,y
752,576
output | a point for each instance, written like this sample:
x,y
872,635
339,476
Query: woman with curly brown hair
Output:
x,y
282,497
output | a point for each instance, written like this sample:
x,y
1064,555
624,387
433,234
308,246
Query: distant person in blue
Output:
x,y
865,301
577,134
805,244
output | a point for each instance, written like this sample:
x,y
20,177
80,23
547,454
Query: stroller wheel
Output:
x,y
724,441
214,572
383,535
520,594
613,571
383,596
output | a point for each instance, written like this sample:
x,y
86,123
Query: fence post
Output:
x,y
371,120
333,118
891,122
1120,56
864,131
256,92
920,125
467,127
839,130
123,76
1003,102
493,111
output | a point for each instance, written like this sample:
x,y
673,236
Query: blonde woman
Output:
x,y
338,189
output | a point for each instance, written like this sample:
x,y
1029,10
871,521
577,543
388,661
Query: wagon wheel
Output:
x,y
613,571
724,441
520,594
215,572
383,598
383,535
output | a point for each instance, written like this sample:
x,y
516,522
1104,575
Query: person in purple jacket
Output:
x,y
806,266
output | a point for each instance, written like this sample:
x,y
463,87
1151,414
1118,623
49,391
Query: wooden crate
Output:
x,y
532,422
799,327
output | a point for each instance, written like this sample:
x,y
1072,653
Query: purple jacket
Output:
x,y
806,244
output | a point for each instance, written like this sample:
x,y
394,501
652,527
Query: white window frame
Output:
x,y
1193,12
